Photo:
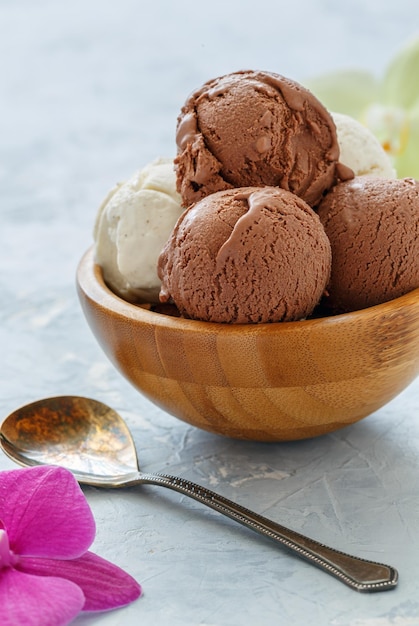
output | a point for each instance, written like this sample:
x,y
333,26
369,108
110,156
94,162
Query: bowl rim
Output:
x,y
91,283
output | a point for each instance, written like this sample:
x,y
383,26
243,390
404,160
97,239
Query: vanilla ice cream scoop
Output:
x,y
360,150
132,225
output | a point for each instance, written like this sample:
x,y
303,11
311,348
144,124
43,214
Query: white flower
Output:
x,y
388,107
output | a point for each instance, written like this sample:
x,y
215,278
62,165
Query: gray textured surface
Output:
x,y
89,92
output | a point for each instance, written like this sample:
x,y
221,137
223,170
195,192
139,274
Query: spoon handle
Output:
x,y
357,573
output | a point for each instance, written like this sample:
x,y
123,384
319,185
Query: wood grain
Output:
x,y
268,382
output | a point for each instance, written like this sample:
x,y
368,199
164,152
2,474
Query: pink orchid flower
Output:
x,y
47,574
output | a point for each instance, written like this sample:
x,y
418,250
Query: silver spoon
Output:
x,y
90,439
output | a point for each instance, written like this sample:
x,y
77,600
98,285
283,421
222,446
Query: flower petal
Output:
x,y
348,91
105,586
45,512
407,163
27,600
400,85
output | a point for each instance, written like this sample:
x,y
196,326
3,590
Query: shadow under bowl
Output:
x,y
266,382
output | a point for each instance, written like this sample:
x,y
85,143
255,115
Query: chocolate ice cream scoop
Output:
x,y
255,129
246,255
373,227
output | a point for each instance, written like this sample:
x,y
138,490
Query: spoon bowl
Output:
x,y
94,443
81,434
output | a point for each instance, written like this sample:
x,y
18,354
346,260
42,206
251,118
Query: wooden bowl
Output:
x,y
267,382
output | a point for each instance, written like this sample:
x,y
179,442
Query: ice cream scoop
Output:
x,y
246,255
373,227
132,226
254,129
360,149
